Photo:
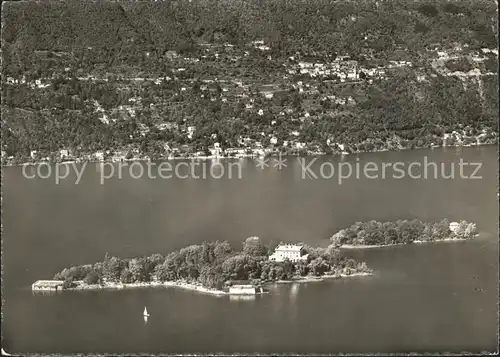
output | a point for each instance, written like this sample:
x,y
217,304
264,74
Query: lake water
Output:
x,y
438,297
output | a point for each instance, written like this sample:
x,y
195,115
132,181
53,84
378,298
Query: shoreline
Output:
x,y
314,279
364,246
239,156
81,286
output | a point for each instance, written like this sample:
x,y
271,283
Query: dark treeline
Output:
x,y
212,264
123,31
401,232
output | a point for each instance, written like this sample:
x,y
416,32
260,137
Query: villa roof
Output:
x,y
52,283
289,247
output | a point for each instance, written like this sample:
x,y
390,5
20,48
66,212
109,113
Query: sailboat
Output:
x,y
146,312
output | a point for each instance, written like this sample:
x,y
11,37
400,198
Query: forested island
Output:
x,y
211,267
374,233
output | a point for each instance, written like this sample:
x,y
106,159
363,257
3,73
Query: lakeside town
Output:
x,y
327,88
217,95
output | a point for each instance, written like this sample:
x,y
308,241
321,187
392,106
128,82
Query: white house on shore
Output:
x,y
242,290
292,252
216,150
99,155
47,285
64,153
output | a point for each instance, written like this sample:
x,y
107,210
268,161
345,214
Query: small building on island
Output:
x,y
292,252
242,290
47,285
244,287
216,150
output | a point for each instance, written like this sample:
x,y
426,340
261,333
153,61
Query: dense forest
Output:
x,y
401,232
87,56
124,31
212,264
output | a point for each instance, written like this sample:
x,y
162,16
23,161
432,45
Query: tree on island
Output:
x,y
126,276
465,230
254,247
112,268
68,283
92,278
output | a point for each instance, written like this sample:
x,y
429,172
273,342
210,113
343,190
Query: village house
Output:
x,y
99,155
119,155
171,54
292,252
191,130
259,44
64,153
166,126
238,152
216,150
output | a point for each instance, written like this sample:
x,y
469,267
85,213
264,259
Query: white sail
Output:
x,y
145,311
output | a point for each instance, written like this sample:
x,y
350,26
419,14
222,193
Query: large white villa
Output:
x,y
292,252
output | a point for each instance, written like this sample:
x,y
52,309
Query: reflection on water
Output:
x,y
294,290
45,293
99,167
241,297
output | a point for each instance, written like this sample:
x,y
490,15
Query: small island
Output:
x,y
384,234
211,267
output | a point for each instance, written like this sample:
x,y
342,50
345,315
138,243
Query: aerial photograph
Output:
x,y
251,177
